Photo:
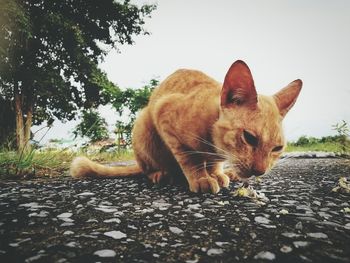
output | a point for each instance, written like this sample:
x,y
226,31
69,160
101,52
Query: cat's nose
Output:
x,y
258,172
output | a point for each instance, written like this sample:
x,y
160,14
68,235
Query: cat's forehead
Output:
x,y
267,106
265,120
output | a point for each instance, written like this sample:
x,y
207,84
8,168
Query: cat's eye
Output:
x,y
277,148
250,138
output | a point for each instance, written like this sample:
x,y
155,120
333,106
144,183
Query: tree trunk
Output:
x,y
28,120
19,120
28,125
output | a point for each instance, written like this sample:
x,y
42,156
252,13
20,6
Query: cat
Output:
x,y
193,124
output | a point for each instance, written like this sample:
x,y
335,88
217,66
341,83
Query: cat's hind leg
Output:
x,y
151,154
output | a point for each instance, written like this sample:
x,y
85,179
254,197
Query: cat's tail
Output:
x,y
82,167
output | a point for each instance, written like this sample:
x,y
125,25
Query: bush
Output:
x,y
92,126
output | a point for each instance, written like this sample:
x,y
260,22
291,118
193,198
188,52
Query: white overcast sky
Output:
x,y
279,40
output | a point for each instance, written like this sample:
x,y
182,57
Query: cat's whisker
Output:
x,y
206,153
198,138
204,167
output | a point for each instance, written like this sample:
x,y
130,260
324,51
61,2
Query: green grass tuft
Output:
x,y
49,162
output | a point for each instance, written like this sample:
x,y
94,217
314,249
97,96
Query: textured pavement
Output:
x,y
130,220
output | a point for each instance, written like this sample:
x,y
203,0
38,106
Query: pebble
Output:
x,y
64,215
290,235
198,215
40,214
298,244
86,194
34,258
107,209
215,251
317,235
221,244
299,226
72,244
176,230
286,249
105,253
262,220
112,220
266,255
283,212
67,224
115,234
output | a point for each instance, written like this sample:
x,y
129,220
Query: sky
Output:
x,y
279,40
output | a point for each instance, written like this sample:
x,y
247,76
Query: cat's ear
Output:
x,y
287,96
238,87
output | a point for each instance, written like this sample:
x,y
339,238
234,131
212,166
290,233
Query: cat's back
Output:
x,y
186,81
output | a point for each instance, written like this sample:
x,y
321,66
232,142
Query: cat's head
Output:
x,y
249,130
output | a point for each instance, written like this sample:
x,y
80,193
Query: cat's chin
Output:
x,y
245,177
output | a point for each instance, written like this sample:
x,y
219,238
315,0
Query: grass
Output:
x,y
50,162
318,146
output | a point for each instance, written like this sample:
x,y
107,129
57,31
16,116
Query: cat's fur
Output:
x,y
192,124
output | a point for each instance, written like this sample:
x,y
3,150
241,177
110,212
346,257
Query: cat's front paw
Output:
x,y
205,185
232,175
222,179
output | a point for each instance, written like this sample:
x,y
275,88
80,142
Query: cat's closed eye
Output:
x,y
250,139
277,148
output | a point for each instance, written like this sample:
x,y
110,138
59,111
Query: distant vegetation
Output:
x,y
326,144
338,143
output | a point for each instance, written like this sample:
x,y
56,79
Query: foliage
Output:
x,y
123,132
342,128
130,101
319,146
343,133
336,143
92,125
50,50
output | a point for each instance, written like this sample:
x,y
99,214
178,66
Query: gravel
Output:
x,y
131,220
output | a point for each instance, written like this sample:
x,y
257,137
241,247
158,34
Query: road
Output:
x,y
130,220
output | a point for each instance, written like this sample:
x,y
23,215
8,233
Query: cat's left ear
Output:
x,y
238,88
287,96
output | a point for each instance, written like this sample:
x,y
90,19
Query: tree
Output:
x,y
130,101
7,124
50,50
92,125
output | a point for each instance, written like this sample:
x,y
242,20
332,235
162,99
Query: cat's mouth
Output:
x,y
246,174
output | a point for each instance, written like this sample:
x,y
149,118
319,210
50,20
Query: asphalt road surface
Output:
x,y
130,220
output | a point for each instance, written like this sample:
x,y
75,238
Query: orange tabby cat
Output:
x,y
193,124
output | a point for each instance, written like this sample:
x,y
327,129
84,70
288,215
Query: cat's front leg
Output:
x,y
216,170
197,176
193,167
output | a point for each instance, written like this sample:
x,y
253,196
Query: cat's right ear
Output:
x,y
287,96
238,88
